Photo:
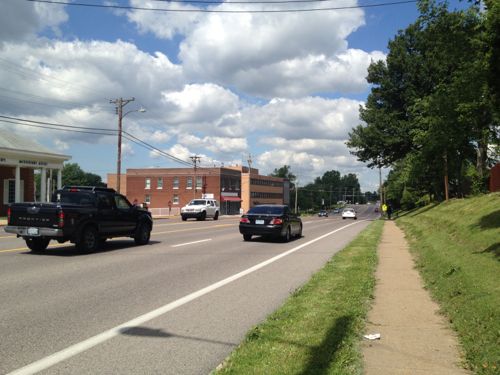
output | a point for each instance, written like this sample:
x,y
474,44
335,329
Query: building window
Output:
x,y
148,183
176,182
199,182
189,183
160,183
9,191
147,199
176,199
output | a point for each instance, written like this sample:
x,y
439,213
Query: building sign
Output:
x,y
229,194
207,196
33,163
28,163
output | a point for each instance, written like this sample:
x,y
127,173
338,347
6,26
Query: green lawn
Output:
x,y
318,330
457,247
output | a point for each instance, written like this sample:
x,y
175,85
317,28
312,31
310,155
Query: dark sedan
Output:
x,y
270,221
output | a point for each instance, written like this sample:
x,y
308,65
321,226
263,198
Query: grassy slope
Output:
x,y
317,331
457,247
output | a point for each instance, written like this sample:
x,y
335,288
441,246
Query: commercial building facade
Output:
x,y
19,158
166,190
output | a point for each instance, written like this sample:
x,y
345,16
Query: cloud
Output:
x,y
342,73
164,25
200,103
75,74
217,145
319,147
21,20
127,150
307,166
265,54
309,118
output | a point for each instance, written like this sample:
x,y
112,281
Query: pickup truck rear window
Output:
x,y
81,198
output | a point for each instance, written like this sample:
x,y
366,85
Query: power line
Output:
x,y
90,130
200,10
22,71
240,2
63,103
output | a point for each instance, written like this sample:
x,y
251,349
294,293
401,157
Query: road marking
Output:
x,y
2,237
154,233
82,346
26,248
191,243
190,229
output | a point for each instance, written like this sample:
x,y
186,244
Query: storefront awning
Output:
x,y
230,199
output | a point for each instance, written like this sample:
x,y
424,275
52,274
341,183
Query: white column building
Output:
x,y
19,158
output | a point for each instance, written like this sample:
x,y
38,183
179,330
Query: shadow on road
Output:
x,y
158,333
72,251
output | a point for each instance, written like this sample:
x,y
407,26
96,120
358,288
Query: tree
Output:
x,y
73,175
429,104
284,172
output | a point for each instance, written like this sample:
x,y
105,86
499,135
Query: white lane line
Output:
x,y
191,243
82,346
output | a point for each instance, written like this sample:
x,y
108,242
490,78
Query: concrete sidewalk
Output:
x,y
415,339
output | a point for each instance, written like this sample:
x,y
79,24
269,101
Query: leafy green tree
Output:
x,y
72,174
284,172
429,105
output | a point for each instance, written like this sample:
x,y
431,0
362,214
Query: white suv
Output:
x,y
200,209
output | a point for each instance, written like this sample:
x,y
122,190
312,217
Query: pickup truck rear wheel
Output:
x,y
143,234
37,245
89,240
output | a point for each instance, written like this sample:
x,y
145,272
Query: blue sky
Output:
x,y
285,88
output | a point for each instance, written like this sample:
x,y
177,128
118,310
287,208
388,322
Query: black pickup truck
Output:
x,y
86,216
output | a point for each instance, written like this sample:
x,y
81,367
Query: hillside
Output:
x,y
457,248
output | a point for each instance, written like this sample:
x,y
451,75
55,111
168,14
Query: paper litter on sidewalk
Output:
x,y
372,336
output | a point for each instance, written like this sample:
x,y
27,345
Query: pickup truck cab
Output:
x,y
85,216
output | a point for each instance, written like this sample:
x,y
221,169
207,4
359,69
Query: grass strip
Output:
x,y
318,329
457,249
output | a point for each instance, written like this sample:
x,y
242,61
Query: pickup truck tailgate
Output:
x,y
43,215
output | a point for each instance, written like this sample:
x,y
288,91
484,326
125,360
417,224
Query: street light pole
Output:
x,y
120,103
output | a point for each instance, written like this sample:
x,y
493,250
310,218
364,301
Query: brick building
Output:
x,y
19,158
166,190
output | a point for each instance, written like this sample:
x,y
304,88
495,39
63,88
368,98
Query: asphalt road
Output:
x,y
179,305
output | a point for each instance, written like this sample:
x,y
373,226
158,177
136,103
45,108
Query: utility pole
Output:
x,y
249,160
120,103
296,195
196,159
380,186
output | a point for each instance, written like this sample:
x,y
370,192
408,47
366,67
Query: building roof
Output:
x,y
12,141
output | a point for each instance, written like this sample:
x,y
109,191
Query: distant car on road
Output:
x,y
270,221
336,211
323,213
200,209
349,213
